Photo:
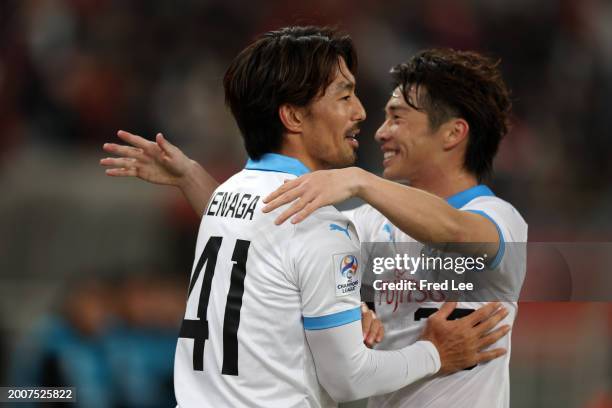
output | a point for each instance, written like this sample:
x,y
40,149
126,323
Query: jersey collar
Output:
x,y
279,163
462,198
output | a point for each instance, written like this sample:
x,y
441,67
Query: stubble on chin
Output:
x,y
350,160
341,159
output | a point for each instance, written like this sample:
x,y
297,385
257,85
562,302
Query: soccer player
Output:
x,y
273,314
444,121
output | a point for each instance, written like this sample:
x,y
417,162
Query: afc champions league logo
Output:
x,y
348,266
346,278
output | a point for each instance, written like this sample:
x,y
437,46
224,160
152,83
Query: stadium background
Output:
x,y
94,270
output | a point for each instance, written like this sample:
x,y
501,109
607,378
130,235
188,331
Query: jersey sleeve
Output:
x,y
510,225
326,268
348,370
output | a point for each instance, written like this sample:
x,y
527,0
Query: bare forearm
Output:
x,y
197,186
423,216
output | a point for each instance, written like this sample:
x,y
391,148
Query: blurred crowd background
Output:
x,y
94,270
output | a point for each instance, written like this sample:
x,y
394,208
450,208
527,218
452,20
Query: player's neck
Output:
x,y
447,184
298,152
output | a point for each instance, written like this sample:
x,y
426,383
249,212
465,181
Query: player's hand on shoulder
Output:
x,y
372,327
461,343
312,191
158,162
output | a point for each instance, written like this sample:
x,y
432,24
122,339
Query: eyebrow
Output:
x,y
395,108
345,86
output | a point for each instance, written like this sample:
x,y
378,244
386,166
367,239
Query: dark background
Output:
x,y
92,268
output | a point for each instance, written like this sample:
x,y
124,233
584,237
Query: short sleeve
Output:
x,y
326,268
511,227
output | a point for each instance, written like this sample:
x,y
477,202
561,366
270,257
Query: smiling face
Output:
x,y
411,149
330,123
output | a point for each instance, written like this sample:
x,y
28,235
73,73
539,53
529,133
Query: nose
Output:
x,y
382,134
360,113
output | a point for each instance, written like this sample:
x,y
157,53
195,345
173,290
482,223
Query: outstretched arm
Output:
x,y
423,216
160,162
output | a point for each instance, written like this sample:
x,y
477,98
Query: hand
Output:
x,y
461,342
312,191
373,330
157,162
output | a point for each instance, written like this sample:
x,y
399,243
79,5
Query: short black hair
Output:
x,y
292,65
466,84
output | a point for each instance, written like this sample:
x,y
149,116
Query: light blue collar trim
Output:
x,y
462,198
279,163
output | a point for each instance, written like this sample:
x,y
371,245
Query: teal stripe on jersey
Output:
x,y
279,163
462,198
332,320
502,243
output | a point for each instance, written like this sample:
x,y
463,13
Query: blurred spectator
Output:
x,y
140,348
67,349
115,345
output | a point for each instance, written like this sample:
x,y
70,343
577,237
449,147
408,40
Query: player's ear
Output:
x,y
456,131
292,117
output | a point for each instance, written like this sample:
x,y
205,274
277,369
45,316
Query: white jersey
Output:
x,y
255,287
404,312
